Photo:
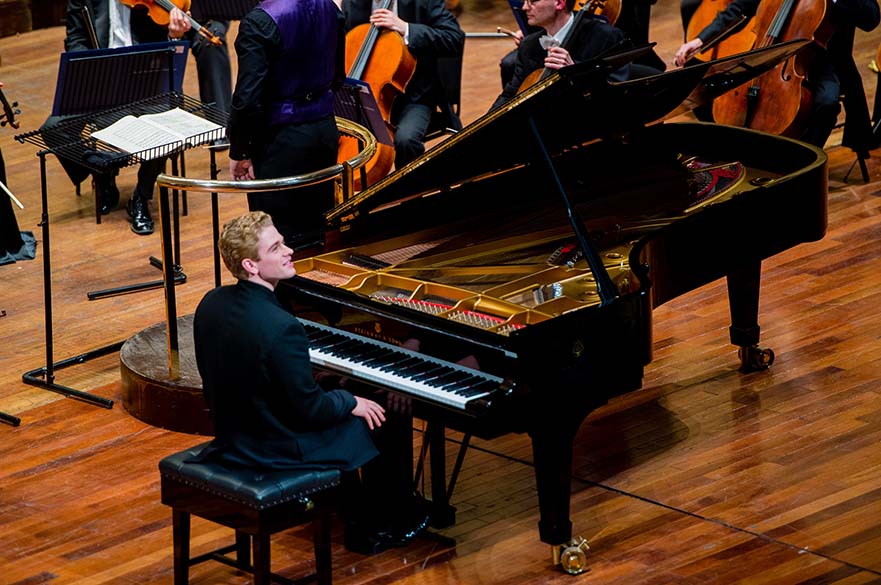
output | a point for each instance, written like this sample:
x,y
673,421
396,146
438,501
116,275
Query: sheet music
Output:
x,y
152,131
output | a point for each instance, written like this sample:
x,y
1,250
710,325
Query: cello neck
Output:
x,y
360,63
775,30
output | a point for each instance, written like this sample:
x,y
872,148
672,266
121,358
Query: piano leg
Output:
x,y
442,513
552,453
743,299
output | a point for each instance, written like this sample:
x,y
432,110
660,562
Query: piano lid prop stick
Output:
x,y
11,196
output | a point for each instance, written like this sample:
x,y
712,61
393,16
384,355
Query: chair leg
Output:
x,y
321,537
181,540
243,550
261,559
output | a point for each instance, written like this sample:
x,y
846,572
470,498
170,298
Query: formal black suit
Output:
x,y
592,37
832,71
267,410
433,33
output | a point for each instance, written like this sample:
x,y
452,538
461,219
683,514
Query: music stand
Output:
x,y
354,101
143,76
221,9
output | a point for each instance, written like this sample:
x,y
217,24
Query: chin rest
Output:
x,y
254,503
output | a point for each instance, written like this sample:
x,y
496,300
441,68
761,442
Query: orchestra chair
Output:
x,y
254,503
445,118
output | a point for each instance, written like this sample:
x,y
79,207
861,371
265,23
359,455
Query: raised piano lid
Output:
x,y
572,107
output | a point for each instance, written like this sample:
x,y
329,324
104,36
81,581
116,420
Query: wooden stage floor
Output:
x,y
705,476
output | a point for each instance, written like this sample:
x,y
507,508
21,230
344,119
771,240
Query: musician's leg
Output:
x,y
213,67
139,205
106,192
10,236
293,150
412,121
826,93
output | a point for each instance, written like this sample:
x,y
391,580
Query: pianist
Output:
x,y
543,49
268,412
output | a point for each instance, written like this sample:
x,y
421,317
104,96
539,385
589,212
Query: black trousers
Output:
x,y
294,150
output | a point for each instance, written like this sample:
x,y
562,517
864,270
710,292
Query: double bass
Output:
x,y
381,59
778,101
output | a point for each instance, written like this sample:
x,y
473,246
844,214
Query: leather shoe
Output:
x,y
371,543
106,192
139,210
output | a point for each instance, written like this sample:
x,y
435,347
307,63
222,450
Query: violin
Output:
x,y
778,101
160,13
7,116
380,58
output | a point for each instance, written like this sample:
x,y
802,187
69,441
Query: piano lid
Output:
x,y
572,107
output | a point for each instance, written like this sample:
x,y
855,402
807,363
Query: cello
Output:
x,y
729,42
777,101
585,8
381,59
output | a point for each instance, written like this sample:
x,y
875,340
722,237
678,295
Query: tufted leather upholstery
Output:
x,y
253,488
254,503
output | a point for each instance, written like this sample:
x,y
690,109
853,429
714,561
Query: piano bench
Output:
x,y
255,504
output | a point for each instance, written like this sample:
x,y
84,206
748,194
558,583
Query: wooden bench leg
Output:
x,y
243,550
321,537
261,559
181,541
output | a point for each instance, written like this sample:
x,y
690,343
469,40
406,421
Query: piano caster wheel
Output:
x,y
572,557
754,358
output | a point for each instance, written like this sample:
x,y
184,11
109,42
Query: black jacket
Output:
x,y
267,410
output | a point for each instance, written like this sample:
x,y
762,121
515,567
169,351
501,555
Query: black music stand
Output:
x,y
221,9
136,72
353,100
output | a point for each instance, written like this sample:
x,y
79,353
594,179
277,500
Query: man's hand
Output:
x,y
384,18
370,411
557,58
686,51
178,23
517,36
241,170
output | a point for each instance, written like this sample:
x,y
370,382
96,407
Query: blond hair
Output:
x,y
239,240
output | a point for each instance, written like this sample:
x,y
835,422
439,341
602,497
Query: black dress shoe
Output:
x,y
106,192
371,543
139,210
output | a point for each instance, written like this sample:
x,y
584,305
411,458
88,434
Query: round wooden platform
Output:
x,y
151,394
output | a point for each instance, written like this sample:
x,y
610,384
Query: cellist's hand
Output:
x,y
686,51
384,18
178,23
557,58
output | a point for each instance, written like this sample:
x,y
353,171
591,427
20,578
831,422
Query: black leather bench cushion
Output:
x,y
253,488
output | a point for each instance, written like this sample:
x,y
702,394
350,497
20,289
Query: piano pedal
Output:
x,y
572,557
754,358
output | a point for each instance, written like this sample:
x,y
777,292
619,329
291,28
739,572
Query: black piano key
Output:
x,y
452,376
418,367
433,373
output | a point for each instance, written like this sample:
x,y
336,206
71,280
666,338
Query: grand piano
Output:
x,y
533,245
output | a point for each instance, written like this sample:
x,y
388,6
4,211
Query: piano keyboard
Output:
x,y
397,368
